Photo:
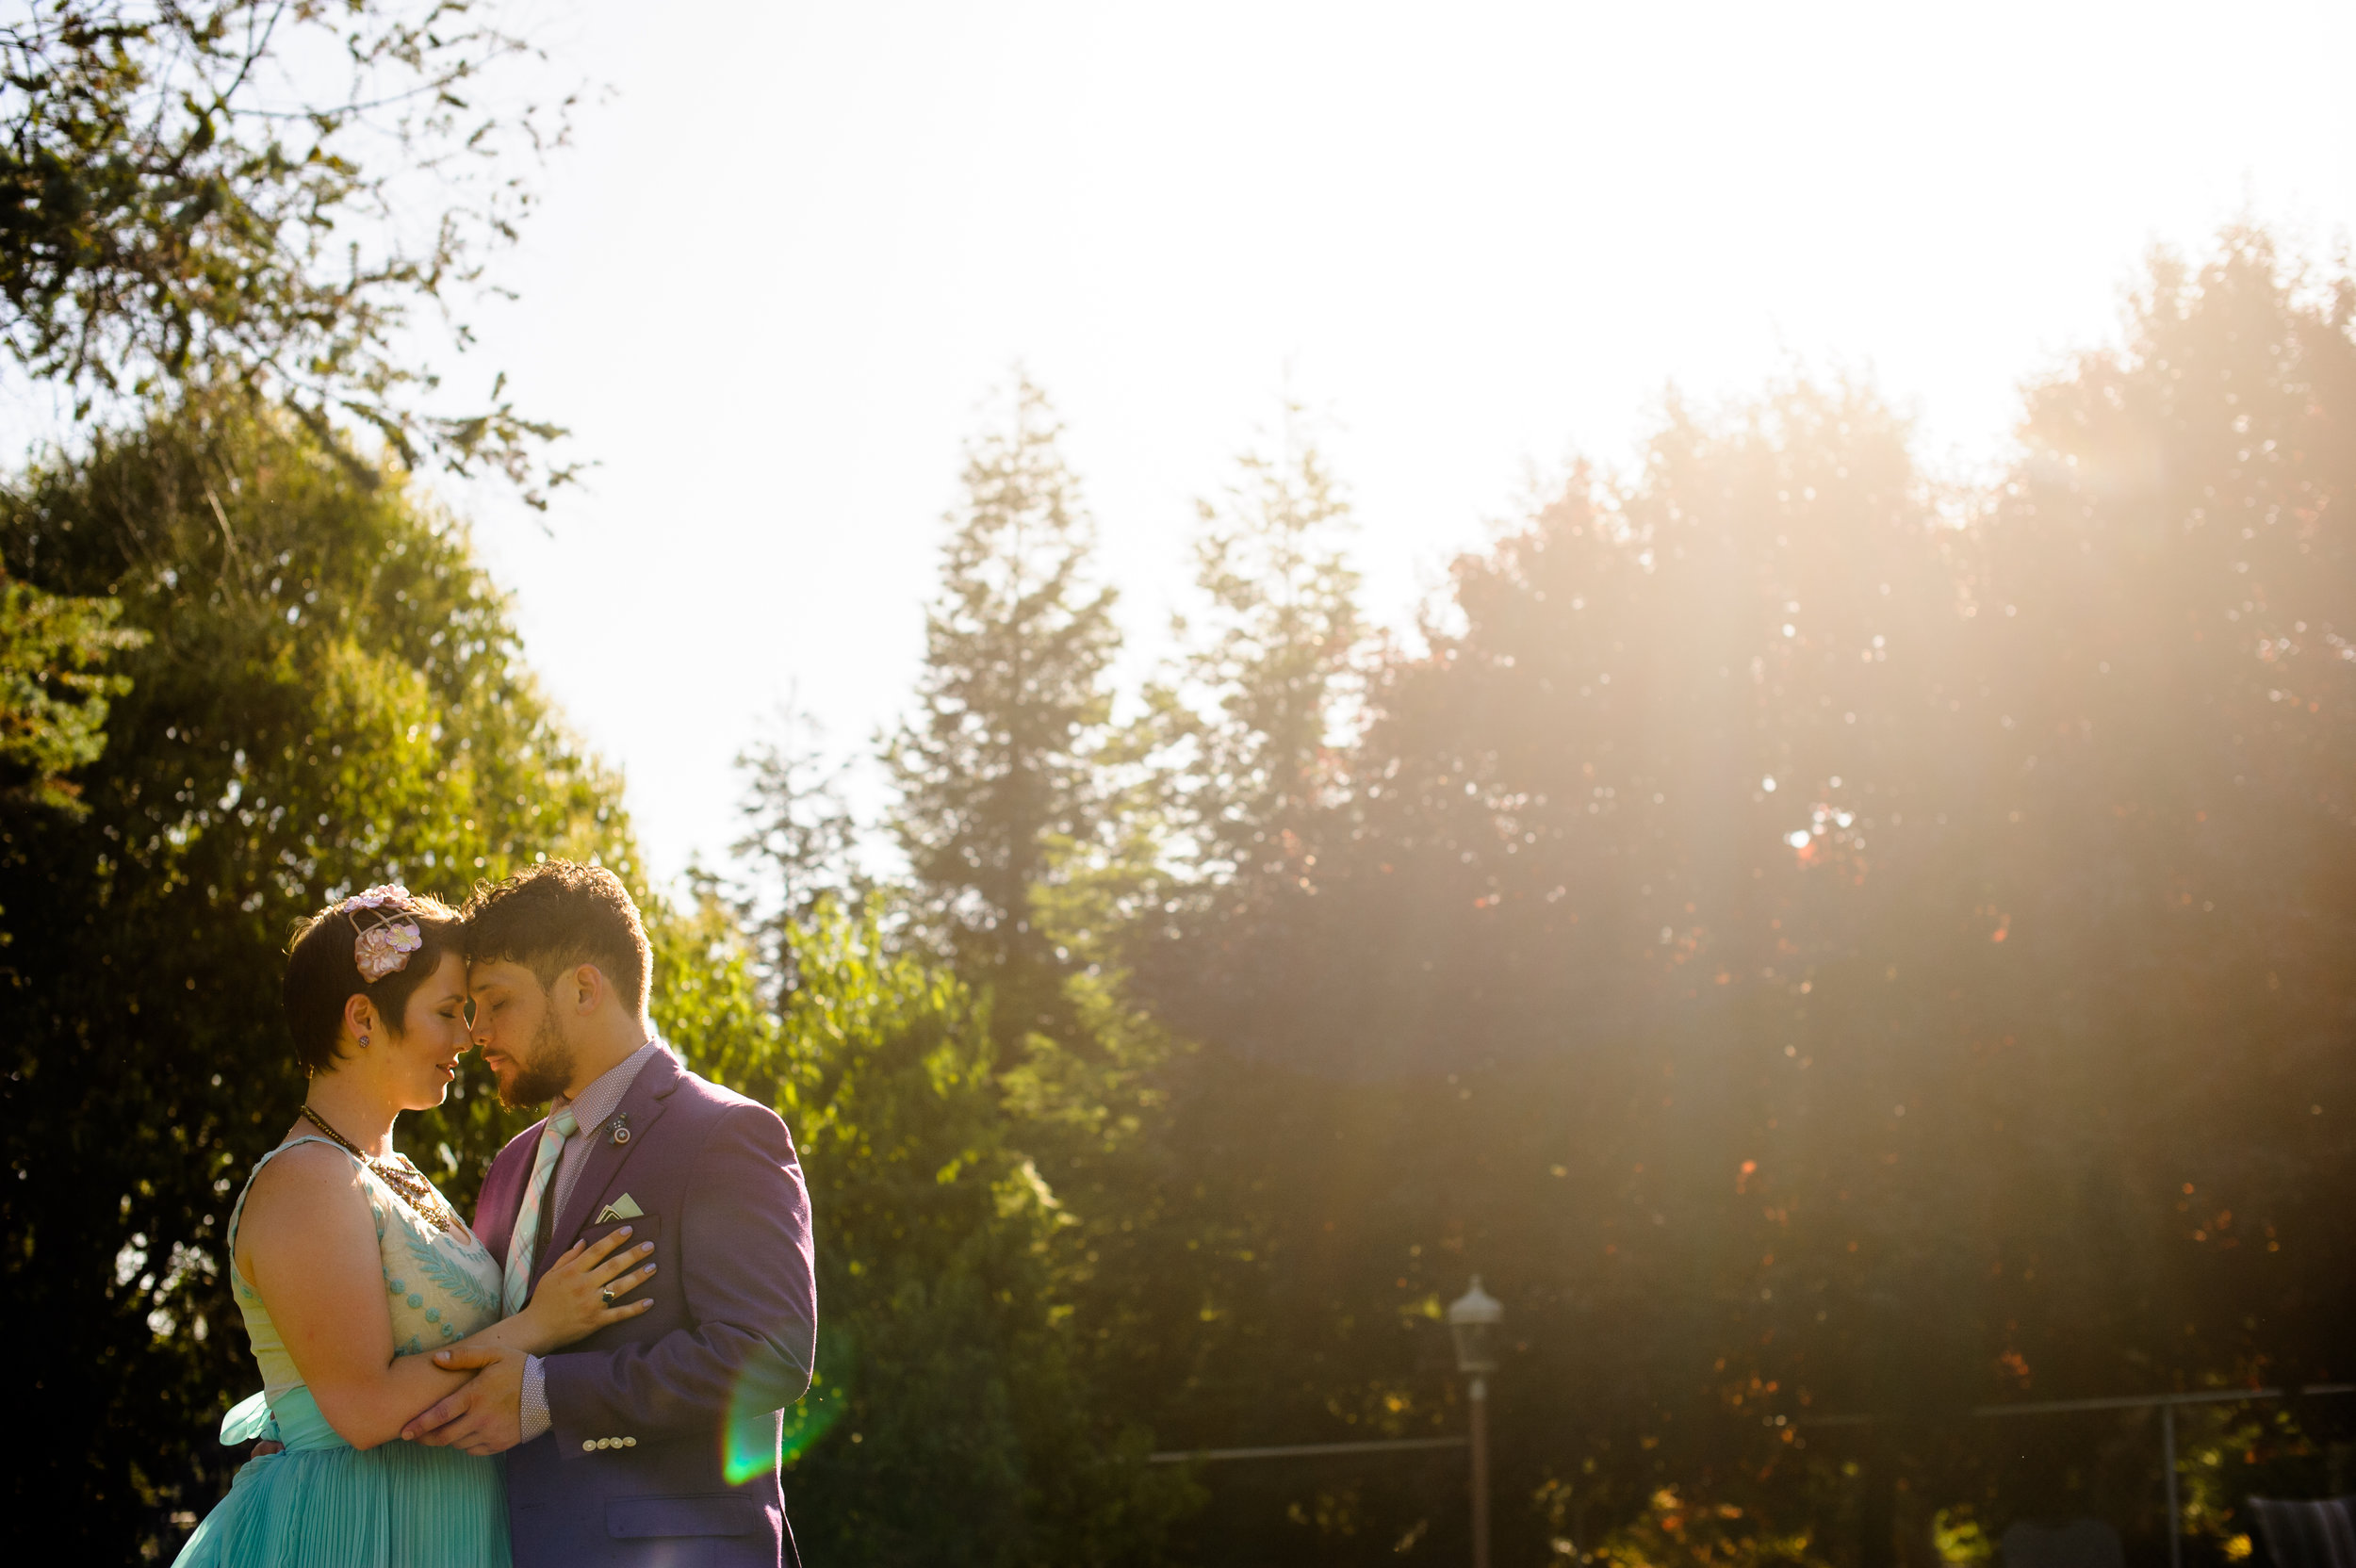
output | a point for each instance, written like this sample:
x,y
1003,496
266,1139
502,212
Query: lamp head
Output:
x,y
1472,1321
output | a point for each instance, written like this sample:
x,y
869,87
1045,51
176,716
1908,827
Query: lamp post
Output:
x,y
1472,1321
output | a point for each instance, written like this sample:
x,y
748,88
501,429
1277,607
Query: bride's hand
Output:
x,y
571,1300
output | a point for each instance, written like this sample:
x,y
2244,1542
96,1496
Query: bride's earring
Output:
x,y
364,1042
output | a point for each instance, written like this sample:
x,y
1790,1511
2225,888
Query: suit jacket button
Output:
x,y
588,1445
629,1443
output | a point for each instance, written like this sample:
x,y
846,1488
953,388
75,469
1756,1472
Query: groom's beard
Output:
x,y
543,1074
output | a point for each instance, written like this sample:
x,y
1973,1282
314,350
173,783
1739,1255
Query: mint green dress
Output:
x,y
323,1503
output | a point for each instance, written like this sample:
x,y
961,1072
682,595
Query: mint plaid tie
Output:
x,y
527,1237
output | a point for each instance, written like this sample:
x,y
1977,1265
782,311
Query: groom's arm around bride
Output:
x,y
666,1427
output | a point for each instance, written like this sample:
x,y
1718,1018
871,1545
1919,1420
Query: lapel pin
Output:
x,y
621,1128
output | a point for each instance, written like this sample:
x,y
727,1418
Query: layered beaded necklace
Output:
x,y
397,1173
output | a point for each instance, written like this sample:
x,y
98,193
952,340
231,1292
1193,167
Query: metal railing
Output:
x,y
2164,1403
1305,1450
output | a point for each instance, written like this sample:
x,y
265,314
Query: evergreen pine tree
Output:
x,y
998,764
800,841
1269,667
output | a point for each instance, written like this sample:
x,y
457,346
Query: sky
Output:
x,y
795,247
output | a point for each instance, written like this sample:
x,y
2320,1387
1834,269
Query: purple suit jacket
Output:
x,y
700,1381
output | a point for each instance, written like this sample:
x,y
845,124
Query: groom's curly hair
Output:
x,y
557,914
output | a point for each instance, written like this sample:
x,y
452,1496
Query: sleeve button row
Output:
x,y
590,1444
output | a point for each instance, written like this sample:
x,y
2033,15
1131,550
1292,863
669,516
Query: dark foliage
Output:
x,y
329,696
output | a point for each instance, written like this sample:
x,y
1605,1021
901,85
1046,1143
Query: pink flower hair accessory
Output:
x,y
387,931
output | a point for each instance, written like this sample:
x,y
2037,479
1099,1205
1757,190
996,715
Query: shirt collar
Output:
x,y
604,1094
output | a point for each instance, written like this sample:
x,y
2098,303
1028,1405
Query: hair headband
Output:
x,y
385,931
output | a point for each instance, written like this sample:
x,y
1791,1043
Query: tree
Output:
x,y
53,693
947,1349
330,694
2167,607
800,842
1270,662
1470,1046
1821,943
214,194
1012,707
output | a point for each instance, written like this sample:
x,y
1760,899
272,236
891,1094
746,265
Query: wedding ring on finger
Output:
x,y
606,1297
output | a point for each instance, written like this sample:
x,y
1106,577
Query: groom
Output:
x,y
656,1439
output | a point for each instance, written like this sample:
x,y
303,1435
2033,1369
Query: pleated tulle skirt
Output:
x,y
324,1504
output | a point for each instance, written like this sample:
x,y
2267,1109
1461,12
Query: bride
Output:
x,y
347,1264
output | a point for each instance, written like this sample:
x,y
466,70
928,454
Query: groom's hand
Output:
x,y
484,1417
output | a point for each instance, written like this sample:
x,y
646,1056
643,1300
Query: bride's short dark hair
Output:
x,y
324,969
552,916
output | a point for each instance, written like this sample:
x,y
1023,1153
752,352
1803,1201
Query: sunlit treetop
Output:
x,y
260,192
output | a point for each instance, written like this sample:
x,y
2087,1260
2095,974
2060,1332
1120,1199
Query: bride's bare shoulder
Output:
x,y
299,1210
306,1174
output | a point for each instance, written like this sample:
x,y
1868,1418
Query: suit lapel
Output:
x,y
643,1106
503,1193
